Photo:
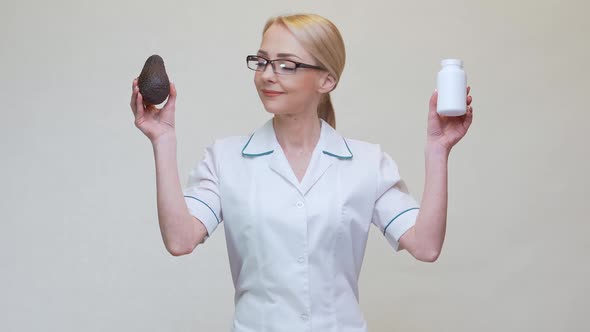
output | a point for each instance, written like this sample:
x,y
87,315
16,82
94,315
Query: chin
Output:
x,y
275,111
274,108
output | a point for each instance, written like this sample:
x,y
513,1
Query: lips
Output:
x,y
271,93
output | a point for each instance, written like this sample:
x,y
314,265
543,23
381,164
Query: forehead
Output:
x,y
277,39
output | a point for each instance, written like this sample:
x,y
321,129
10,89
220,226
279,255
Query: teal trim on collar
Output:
x,y
254,155
385,229
340,157
263,142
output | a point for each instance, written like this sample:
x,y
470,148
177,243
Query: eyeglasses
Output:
x,y
279,66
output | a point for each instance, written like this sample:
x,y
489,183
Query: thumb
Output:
x,y
139,105
433,101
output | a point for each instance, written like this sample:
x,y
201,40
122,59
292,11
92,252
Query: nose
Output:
x,y
268,73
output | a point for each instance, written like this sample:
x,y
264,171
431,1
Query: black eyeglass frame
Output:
x,y
271,62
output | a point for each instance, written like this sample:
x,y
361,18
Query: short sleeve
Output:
x,y
201,193
395,209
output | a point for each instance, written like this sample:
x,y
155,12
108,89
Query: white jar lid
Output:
x,y
456,62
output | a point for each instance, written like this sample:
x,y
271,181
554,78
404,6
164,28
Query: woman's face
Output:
x,y
288,94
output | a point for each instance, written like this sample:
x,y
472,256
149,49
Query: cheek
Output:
x,y
303,88
256,79
309,82
301,85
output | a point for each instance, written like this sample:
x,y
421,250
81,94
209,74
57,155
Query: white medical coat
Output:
x,y
296,249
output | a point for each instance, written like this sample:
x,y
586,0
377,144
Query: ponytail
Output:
x,y
326,110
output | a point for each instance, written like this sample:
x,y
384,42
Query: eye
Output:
x,y
255,62
287,66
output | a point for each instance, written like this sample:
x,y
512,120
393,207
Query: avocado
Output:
x,y
153,81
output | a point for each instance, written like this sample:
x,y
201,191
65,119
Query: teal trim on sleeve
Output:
x,y
340,157
206,206
385,229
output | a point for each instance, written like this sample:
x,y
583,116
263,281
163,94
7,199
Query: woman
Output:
x,y
297,198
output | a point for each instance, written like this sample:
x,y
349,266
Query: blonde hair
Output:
x,y
323,41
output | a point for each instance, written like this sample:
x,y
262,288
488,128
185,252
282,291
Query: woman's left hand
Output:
x,y
446,131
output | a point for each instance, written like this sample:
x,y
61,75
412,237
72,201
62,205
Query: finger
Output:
x,y
468,89
134,83
171,102
468,117
469,100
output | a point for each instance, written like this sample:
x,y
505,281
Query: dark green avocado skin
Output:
x,y
153,81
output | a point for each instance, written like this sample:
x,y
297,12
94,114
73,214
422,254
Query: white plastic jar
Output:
x,y
452,88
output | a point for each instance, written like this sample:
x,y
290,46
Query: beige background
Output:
x,y
80,248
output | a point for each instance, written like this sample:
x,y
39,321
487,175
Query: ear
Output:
x,y
327,83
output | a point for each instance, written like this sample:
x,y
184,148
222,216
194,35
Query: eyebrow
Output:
x,y
280,55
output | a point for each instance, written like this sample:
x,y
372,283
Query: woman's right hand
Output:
x,y
153,122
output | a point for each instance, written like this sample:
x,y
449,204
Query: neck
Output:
x,y
297,133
